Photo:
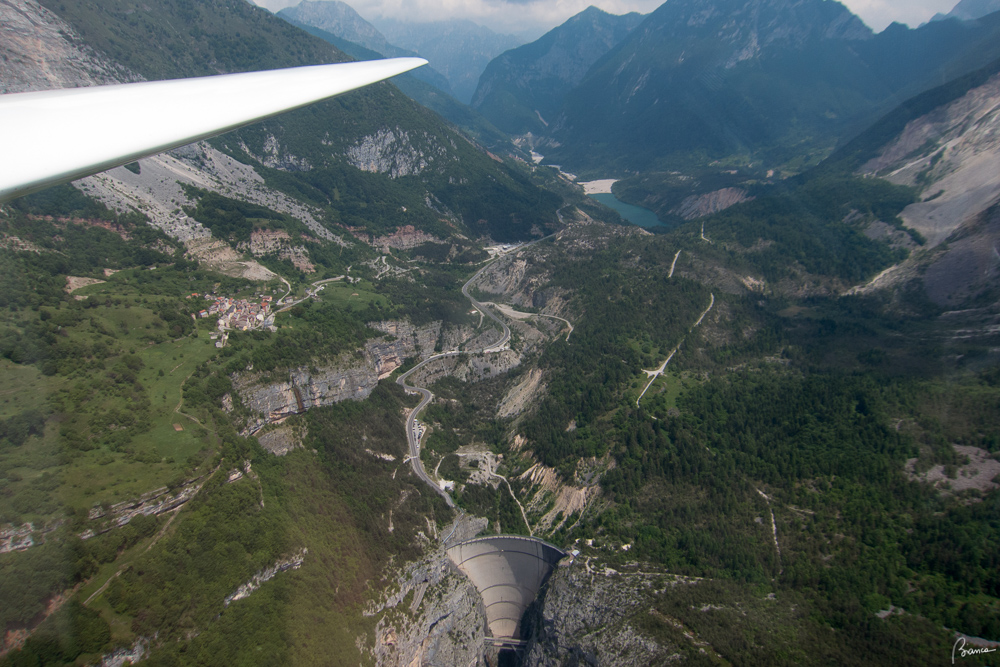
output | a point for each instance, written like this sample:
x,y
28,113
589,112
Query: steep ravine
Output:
x,y
593,614
431,614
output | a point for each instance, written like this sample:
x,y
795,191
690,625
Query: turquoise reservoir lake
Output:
x,y
634,214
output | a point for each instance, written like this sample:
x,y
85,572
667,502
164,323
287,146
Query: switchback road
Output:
x,y
412,437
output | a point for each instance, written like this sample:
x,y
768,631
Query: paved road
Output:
x,y
411,422
309,292
486,311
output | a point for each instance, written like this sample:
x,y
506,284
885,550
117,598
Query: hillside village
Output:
x,y
241,314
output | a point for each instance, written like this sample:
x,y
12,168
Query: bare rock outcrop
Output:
x,y
980,471
553,503
471,368
265,242
697,206
953,155
444,623
40,51
409,341
275,401
390,151
593,615
517,284
220,256
276,156
158,190
281,440
352,376
521,395
404,238
970,266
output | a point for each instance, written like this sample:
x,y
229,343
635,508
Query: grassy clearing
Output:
x,y
661,400
356,296
168,365
21,387
87,454
669,387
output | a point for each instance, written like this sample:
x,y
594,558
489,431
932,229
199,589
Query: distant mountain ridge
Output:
x,y
340,19
426,94
771,80
523,89
459,49
969,10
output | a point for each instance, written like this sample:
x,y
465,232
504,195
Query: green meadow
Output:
x,y
110,393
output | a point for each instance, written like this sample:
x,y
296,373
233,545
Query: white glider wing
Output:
x,y
56,136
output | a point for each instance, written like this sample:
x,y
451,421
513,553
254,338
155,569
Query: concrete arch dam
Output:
x,y
508,571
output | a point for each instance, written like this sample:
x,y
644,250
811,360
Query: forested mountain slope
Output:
x,y
374,141
771,81
522,90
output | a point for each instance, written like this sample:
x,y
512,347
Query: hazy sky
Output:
x,y
541,15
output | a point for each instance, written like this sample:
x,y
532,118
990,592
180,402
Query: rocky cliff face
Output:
x,y
515,281
40,51
391,152
353,376
953,155
593,614
265,242
444,622
276,156
697,206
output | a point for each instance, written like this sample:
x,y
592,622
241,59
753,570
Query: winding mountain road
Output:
x,y
412,436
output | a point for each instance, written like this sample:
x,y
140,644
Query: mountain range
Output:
x,y
427,94
810,477
969,10
523,90
778,81
382,137
459,49
340,19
